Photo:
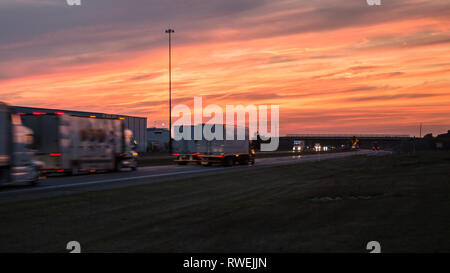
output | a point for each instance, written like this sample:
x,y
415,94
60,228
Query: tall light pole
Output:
x,y
170,31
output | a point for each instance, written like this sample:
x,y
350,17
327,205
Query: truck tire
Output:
x,y
205,163
135,165
75,170
35,181
244,160
229,161
117,165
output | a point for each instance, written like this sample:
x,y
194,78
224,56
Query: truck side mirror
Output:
x,y
133,144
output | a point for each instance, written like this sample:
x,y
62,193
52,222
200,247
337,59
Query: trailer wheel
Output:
x,y
229,161
74,170
205,163
117,165
244,161
134,166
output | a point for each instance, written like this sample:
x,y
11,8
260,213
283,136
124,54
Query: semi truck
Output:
x,y
299,146
17,162
217,151
78,144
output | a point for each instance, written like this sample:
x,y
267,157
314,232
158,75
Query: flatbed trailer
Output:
x,y
218,151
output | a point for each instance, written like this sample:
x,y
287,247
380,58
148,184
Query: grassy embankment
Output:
x,y
403,201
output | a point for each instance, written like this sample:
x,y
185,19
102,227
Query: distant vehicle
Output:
x,y
17,163
317,147
224,152
299,146
75,144
355,143
375,146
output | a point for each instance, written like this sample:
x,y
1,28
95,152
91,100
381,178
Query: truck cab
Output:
x,y
17,163
128,159
299,146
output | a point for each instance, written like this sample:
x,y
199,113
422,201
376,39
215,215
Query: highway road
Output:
x,y
61,185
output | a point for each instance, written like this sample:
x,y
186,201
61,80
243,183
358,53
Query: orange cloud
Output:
x,y
378,77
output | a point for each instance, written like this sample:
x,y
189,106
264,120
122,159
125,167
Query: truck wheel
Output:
x,y
244,161
35,181
205,163
229,161
117,165
75,170
135,165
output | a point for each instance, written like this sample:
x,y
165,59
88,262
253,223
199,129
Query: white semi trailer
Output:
x,y
75,144
216,151
17,163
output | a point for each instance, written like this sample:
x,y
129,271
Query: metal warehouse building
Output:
x,y
136,124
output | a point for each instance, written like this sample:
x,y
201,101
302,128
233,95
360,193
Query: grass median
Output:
x,y
336,205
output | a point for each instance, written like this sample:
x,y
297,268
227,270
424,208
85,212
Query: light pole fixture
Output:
x,y
170,31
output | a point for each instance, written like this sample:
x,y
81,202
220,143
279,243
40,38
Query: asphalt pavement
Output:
x,y
63,184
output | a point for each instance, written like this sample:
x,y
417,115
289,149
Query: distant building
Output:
x,y
157,139
443,141
136,124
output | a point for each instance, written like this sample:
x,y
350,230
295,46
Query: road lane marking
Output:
x,y
269,161
104,181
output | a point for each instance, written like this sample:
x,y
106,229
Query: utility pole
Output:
x,y
420,130
170,31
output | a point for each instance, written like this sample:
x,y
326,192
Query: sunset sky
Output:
x,y
332,66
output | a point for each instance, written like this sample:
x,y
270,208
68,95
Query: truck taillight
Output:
x,y
220,156
199,155
176,154
55,154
